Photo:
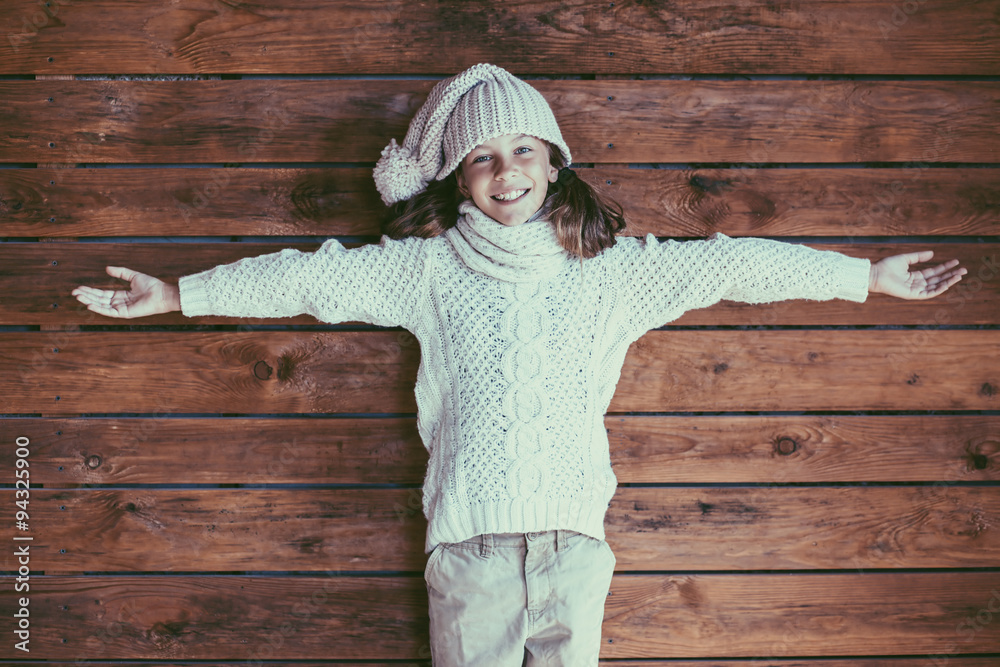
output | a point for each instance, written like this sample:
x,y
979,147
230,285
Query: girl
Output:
x,y
506,268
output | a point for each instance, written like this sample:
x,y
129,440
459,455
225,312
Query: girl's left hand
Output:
x,y
892,276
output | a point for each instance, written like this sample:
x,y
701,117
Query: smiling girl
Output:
x,y
506,267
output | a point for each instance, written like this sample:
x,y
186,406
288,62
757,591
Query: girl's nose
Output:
x,y
505,169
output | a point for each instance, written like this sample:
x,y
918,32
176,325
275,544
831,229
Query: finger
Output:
x,y
91,292
940,268
104,297
951,277
916,257
121,272
104,310
932,275
92,298
941,286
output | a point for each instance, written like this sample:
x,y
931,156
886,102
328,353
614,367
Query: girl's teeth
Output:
x,y
509,196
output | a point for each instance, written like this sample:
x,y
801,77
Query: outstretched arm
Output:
x,y
892,276
146,296
380,284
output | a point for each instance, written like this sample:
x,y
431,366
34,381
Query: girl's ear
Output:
x,y
553,174
461,181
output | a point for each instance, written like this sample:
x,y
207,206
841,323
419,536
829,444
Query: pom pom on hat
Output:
x,y
398,174
451,123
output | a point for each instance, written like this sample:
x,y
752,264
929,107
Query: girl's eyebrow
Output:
x,y
517,138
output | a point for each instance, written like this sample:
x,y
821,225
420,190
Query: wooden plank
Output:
x,y
191,202
359,530
224,618
382,618
619,122
952,661
67,453
859,37
915,200
809,370
375,371
809,615
780,449
804,528
39,279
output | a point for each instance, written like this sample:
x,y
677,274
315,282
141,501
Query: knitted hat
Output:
x,y
470,108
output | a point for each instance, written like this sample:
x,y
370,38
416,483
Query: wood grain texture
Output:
x,y
742,36
359,530
786,540
785,449
953,660
913,200
375,372
237,618
40,278
681,449
382,618
808,615
622,122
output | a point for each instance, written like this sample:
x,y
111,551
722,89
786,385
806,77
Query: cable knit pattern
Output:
x,y
516,374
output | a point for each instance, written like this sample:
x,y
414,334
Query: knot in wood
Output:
x,y
93,461
701,183
979,459
785,446
262,370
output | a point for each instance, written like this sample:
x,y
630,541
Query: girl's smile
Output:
x,y
508,177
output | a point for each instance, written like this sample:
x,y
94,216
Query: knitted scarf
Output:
x,y
523,253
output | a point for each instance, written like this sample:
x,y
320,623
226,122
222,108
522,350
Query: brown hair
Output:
x,y
586,221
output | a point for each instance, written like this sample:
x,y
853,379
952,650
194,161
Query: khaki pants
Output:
x,y
513,599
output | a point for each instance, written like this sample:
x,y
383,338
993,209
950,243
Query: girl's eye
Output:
x,y
480,158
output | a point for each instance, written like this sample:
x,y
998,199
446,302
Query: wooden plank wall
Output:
x,y
803,483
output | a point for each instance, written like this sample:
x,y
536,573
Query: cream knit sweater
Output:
x,y
521,348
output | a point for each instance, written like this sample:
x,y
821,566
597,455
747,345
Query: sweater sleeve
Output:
x,y
669,278
380,284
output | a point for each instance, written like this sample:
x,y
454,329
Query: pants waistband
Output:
x,y
489,541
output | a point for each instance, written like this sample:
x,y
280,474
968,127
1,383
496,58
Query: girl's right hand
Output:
x,y
146,296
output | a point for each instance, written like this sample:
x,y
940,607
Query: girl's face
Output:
x,y
507,177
